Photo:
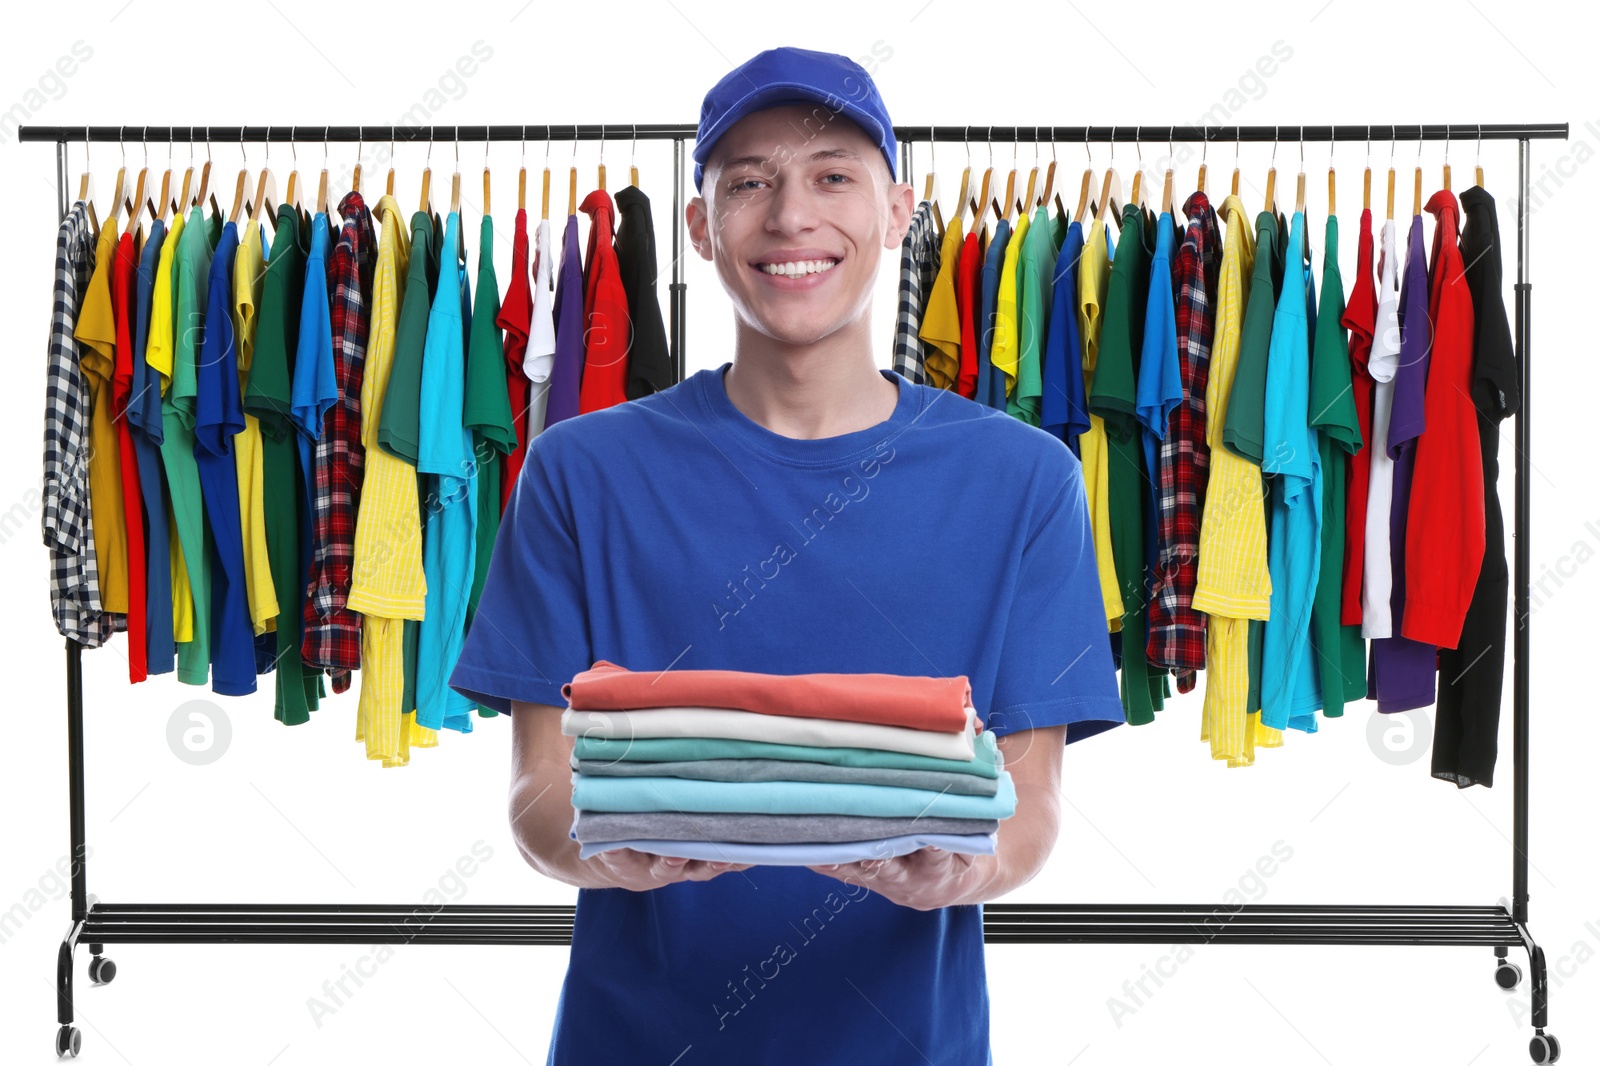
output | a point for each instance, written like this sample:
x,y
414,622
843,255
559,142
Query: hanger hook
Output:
x,y
1088,155
602,144
1205,144
1419,147
1447,144
1138,145
486,147
1479,160
122,146
208,143
933,152
86,165
1369,146
1302,149
524,146
144,140
1274,147
1236,148
360,143
325,131
456,142
547,146
294,152
244,159
1113,162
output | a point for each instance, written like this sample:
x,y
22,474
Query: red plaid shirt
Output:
x,y
1177,631
332,638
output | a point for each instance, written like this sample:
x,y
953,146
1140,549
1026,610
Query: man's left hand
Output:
x,y
923,880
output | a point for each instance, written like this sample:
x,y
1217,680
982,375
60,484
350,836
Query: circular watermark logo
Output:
x,y
1400,737
199,732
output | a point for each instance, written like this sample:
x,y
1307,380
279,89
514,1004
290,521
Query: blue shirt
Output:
x,y
1290,694
314,389
1160,387
992,263
750,550
219,414
1064,407
144,416
445,456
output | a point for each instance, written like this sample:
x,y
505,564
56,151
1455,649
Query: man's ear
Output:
x,y
697,219
902,204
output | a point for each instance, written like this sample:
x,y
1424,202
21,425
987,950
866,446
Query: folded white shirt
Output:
x,y
774,728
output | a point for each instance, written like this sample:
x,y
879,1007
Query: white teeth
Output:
x,y
794,270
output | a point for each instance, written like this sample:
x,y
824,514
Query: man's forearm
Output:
x,y
541,817
1022,846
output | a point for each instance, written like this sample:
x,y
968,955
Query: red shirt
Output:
x,y
967,267
1445,523
516,315
122,298
1360,317
605,312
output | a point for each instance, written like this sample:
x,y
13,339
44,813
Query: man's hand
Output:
x,y
933,878
641,871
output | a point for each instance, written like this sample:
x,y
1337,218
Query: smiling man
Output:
x,y
796,509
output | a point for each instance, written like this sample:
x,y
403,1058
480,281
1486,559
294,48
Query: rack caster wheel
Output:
x,y
1544,1047
1507,975
102,970
68,1040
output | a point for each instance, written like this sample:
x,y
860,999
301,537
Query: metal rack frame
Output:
x,y
1502,926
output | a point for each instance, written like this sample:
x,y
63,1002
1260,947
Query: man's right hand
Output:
x,y
642,871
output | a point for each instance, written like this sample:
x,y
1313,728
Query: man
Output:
x,y
795,510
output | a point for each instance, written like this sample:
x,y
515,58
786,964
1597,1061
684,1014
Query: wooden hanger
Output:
x,y
1200,181
266,188
322,178
118,189
1026,202
602,178
83,187
572,178
1270,201
205,194
388,189
455,178
355,174
1082,213
135,206
927,191
1300,179
544,203
961,191
165,197
238,208
486,172
1366,178
1009,202
1111,186
1447,158
1416,184
1050,185
425,200
633,155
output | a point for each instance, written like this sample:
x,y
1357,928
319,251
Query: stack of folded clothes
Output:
x,y
798,769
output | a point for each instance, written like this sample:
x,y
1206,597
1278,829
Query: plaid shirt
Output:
x,y
919,262
66,523
1177,631
332,639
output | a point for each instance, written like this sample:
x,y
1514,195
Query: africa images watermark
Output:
x,y
47,88
1250,887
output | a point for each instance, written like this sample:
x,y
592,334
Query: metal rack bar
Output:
x,y
1501,927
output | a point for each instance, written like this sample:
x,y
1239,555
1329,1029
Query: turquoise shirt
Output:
x,y
444,455
1290,693
1160,386
314,390
591,793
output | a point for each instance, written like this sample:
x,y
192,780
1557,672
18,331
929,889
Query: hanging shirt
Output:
x,y
315,386
989,380
1035,269
66,518
516,313
1360,318
96,333
1471,675
1401,675
969,297
123,293
248,274
1007,333
1447,490
444,454
1113,396
1382,363
919,262
566,369
650,367
219,414
190,289
1094,276
1064,406
941,320
144,423
1158,390
554,607
1177,631
607,333
1339,654
158,360
1233,584
386,580
487,408
1289,676
332,638
297,688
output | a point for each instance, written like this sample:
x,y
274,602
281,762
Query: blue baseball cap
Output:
x,y
793,76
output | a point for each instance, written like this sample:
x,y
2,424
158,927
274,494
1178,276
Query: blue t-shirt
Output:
x,y
1064,407
745,549
989,299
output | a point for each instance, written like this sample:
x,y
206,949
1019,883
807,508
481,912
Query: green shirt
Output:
x,y
397,429
1337,649
1113,397
1035,281
1245,430
486,410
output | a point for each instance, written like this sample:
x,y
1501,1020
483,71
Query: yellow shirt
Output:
x,y
1007,336
96,332
941,322
1094,273
158,356
1232,583
387,583
259,592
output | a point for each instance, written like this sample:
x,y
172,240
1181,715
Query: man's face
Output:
x,y
798,182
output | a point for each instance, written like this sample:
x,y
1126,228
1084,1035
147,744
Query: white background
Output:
x,y
299,815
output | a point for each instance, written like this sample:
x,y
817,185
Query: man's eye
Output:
x,y
846,178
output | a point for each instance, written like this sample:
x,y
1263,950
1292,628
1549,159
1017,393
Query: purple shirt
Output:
x,y
567,371
1402,672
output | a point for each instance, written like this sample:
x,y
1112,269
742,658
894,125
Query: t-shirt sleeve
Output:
x,y
1055,663
531,631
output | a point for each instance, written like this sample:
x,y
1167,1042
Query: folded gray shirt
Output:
x,y
598,827
793,770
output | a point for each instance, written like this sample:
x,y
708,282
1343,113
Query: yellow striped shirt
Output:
x,y
1094,274
1007,346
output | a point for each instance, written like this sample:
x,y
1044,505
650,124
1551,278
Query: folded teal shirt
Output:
x,y
986,761
791,770
803,854
784,797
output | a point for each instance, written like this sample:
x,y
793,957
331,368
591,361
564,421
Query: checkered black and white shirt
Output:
x,y
919,263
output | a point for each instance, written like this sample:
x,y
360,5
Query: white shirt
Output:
x,y
1377,573
772,728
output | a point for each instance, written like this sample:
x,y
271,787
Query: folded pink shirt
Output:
x,y
936,704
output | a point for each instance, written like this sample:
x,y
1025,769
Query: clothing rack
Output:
x,y
1501,926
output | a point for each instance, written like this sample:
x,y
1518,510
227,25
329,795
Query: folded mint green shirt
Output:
x,y
784,797
986,761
